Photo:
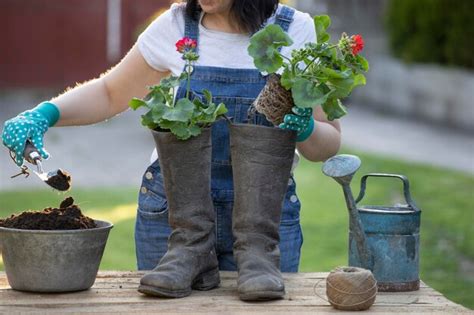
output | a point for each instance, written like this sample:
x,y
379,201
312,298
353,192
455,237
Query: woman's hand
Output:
x,y
325,139
29,125
300,121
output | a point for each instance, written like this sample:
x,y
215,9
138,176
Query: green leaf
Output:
x,y
323,20
321,23
180,130
359,79
167,124
264,47
207,95
183,111
198,103
287,79
221,109
136,103
184,104
335,74
363,62
210,109
194,130
334,109
341,87
172,81
147,121
156,96
307,94
333,54
325,37
157,112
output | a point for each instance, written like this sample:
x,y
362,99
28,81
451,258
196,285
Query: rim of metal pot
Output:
x,y
109,225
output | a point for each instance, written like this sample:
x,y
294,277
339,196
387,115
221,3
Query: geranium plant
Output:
x,y
184,117
319,73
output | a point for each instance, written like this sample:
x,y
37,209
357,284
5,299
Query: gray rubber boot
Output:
x,y
191,261
261,165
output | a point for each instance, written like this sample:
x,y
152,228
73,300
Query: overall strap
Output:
x,y
191,28
284,17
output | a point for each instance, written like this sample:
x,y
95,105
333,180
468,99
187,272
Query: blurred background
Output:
x,y
414,117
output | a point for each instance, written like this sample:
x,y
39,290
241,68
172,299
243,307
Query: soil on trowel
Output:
x,y
67,217
60,181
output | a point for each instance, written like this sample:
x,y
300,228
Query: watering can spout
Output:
x,y
342,169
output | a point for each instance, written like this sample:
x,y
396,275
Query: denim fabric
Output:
x,y
237,89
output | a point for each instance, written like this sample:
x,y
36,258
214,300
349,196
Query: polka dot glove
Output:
x,y
32,125
300,121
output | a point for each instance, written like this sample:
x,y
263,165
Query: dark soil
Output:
x,y
274,101
61,180
67,217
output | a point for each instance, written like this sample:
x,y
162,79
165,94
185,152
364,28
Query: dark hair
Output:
x,y
249,15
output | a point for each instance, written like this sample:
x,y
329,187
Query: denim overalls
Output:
x,y
237,89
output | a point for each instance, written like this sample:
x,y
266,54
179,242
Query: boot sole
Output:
x,y
203,282
161,292
261,295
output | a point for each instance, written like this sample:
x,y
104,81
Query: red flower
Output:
x,y
185,44
357,44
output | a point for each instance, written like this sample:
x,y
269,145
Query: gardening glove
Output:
x,y
300,121
31,124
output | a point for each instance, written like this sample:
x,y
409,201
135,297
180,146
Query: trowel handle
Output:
x,y
30,153
406,187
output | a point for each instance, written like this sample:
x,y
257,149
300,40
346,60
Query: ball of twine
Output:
x,y
351,288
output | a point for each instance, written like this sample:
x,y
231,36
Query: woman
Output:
x,y
222,29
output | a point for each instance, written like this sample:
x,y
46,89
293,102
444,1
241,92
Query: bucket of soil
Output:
x,y
54,250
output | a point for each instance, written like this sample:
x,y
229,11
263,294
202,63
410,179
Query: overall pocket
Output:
x,y
291,206
152,201
291,236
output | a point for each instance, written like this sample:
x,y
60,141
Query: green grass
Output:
x,y
445,198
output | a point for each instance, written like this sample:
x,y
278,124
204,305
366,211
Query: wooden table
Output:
x,y
116,292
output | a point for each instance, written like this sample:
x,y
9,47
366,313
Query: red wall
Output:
x,y
56,43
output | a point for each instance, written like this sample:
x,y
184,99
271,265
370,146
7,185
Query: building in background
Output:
x,y
56,43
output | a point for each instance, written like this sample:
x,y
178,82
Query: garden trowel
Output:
x,y
58,179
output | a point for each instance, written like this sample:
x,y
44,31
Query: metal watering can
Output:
x,y
382,239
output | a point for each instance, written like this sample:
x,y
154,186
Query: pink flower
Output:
x,y
357,44
185,44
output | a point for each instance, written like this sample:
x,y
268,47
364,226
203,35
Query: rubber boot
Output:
x,y
261,162
191,261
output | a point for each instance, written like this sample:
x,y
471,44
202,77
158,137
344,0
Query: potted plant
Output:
x,y
181,129
318,74
54,250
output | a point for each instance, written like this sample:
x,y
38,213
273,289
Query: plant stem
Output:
x,y
285,57
188,84
307,66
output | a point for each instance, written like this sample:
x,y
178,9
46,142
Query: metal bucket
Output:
x,y
53,261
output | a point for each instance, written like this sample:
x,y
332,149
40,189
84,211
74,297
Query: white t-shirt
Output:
x,y
217,49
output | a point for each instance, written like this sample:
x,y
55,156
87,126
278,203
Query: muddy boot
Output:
x,y
261,164
191,261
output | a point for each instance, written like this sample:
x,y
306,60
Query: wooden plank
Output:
x,y
115,292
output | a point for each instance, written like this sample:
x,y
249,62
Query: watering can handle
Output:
x,y
406,187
